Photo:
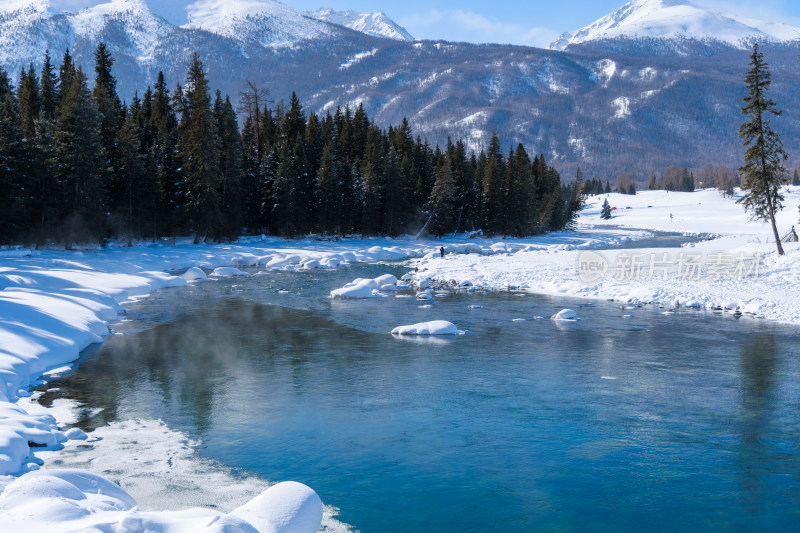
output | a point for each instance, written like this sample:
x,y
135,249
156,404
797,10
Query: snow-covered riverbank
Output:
x,y
737,271
53,304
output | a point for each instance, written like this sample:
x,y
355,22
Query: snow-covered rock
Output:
x,y
76,434
566,314
193,274
434,327
355,291
424,295
224,272
366,287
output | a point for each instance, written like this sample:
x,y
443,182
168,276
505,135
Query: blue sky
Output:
x,y
529,22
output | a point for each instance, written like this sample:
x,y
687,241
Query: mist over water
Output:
x,y
675,422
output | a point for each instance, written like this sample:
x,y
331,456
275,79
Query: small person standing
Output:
x,y
441,251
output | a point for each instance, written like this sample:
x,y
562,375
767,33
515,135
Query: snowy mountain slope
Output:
x,y
265,22
376,24
33,27
136,24
677,19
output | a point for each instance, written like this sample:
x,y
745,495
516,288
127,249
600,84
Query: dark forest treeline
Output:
x,y
77,165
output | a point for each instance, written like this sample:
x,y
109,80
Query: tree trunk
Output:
x,y
774,226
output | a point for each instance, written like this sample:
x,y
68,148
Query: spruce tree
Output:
x,y
29,102
132,176
442,203
111,118
231,154
763,170
199,150
493,180
11,165
79,162
49,89
605,213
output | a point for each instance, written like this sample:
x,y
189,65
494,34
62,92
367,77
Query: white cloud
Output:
x,y
468,26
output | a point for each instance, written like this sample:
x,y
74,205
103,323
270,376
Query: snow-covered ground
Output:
x,y
739,270
54,303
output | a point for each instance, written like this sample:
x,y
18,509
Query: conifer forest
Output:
x,y
81,166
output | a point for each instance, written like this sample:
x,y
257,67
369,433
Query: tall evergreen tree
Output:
x,y
605,212
49,89
199,150
132,176
79,162
763,170
29,102
442,203
11,164
111,118
231,153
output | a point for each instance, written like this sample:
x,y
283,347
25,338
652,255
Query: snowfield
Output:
x,y
53,304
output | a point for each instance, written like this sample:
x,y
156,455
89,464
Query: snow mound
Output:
x,y
225,272
566,314
434,327
367,287
193,274
72,500
287,507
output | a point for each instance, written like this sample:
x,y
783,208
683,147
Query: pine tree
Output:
x,y
763,170
577,199
231,154
442,202
169,217
29,102
493,179
11,164
199,150
111,118
49,89
132,175
605,213
80,161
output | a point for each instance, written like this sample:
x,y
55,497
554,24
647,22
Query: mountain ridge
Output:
x,y
609,107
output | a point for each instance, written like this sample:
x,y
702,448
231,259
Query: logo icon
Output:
x,y
592,267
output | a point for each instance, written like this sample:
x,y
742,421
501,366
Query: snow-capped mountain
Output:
x,y
376,24
29,27
610,105
264,22
677,19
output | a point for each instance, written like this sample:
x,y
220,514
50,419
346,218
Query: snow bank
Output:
x,y
79,500
434,327
766,288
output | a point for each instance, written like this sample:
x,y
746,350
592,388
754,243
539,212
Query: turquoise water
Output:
x,y
681,422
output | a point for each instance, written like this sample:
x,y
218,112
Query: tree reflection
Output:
x,y
758,376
